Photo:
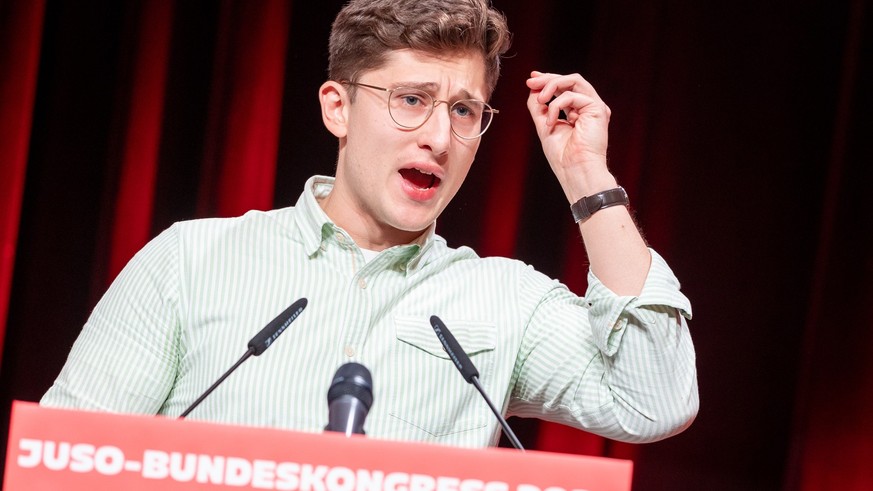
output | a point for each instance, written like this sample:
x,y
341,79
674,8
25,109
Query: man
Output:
x,y
406,101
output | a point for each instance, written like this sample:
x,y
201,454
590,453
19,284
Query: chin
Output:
x,y
412,217
414,225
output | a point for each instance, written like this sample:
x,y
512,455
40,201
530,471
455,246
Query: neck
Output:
x,y
366,232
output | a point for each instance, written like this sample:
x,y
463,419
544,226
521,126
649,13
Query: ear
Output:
x,y
334,107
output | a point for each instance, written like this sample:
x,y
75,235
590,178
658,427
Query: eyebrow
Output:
x,y
432,87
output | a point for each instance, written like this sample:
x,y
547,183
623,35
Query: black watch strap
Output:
x,y
588,205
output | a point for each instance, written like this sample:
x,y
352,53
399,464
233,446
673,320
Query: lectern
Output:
x,y
55,449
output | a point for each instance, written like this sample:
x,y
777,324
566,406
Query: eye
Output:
x,y
410,99
466,109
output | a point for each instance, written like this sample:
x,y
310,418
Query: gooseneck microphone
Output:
x,y
349,399
257,345
468,371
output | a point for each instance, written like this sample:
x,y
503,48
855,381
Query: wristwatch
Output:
x,y
588,205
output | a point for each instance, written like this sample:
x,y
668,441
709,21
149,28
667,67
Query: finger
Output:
x,y
538,110
544,91
540,115
558,84
547,90
574,104
538,81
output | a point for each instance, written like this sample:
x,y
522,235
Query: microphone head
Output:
x,y
277,326
453,348
352,379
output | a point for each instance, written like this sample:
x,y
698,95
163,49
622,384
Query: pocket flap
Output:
x,y
473,336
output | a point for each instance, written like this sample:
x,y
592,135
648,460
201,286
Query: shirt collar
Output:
x,y
314,226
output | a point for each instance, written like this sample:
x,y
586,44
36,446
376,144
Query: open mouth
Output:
x,y
420,179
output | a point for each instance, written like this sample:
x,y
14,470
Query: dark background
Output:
x,y
738,129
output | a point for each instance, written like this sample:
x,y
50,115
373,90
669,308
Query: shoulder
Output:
x,y
281,218
498,270
248,228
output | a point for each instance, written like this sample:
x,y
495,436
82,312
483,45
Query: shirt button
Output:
x,y
349,351
340,238
362,283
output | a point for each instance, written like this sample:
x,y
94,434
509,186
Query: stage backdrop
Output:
x,y
738,131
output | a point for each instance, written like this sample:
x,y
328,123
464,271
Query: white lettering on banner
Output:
x,y
531,487
56,456
210,469
420,482
447,483
472,485
109,460
312,479
182,472
133,466
496,486
340,479
236,472
34,457
82,456
263,474
288,474
155,464
396,481
369,480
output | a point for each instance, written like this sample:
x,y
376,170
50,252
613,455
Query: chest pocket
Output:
x,y
431,395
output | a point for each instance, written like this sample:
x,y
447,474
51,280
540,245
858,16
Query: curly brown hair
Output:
x,y
366,30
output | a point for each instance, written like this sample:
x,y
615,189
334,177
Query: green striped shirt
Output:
x,y
184,308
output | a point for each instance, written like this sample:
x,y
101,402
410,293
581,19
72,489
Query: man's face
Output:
x,y
384,171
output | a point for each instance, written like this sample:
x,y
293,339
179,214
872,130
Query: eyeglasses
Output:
x,y
410,108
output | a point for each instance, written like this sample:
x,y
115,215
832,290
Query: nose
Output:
x,y
436,133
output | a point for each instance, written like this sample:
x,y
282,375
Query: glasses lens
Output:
x,y
409,108
470,118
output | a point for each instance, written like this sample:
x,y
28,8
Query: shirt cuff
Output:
x,y
609,313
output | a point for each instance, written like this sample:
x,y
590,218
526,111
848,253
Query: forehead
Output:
x,y
451,73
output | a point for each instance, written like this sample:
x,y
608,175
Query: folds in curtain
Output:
x,y
132,220
832,444
239,167
103,85
20,39
509,159
642,60
242,133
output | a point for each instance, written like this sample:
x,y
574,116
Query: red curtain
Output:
x,y
240,158
246,101
131,224
737,129
20,36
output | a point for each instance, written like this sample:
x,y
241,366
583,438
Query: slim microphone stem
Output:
x,y
218,382
258,344
464,365
506,429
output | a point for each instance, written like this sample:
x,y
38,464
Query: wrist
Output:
x,y
582,184
586,206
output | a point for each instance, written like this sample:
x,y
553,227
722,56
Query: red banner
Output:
x,y
52,449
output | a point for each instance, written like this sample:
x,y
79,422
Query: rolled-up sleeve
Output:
x,y
619,366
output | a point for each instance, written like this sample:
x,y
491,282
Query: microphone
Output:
x,y
349,399
257,345
468,371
